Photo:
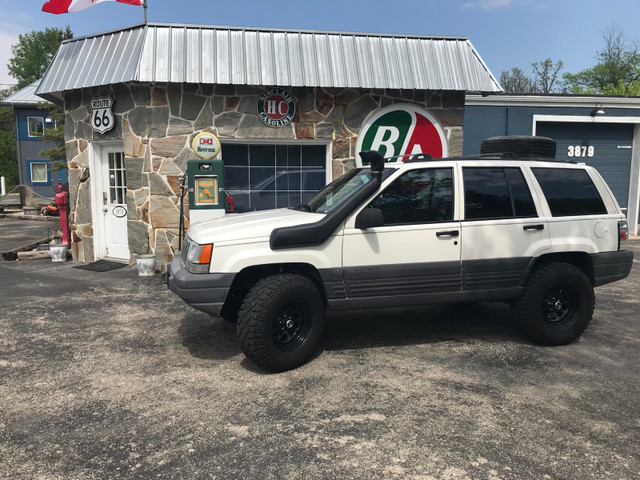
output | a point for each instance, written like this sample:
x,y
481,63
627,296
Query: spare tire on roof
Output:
x,y
521,145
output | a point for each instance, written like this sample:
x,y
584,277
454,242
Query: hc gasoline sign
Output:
x,y
206,145
276,107
402,129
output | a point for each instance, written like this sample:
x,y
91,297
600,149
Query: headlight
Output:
x,y
196,257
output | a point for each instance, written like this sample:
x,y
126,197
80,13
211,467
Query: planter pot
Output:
x,y
146,264
58,252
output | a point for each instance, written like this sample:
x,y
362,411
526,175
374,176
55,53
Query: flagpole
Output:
x,y
145,10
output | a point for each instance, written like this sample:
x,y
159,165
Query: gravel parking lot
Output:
x,y
109,375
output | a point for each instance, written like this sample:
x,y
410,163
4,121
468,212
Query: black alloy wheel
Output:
x,y
291,326
559,307
556,305
281,321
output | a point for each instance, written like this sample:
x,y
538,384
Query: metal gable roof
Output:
x,y
174,53
25,97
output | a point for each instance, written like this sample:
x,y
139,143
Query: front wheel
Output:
x,y
281,321
556,306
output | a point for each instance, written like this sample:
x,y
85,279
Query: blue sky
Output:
x,y
506,33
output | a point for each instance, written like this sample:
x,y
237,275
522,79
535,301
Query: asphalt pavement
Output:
x,y
109,375
15,233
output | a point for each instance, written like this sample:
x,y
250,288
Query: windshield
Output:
x,y
338,191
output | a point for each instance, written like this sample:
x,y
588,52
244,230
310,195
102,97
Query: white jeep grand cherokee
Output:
x,y
513,227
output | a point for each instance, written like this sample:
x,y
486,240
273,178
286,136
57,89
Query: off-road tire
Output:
x,y
557,304
281,321
521,145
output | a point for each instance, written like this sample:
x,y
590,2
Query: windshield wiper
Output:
x,y
304,206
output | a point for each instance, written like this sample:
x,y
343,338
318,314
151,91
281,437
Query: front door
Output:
x,y
415,256
114,200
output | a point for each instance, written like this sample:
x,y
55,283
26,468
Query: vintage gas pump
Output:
x,y
205,185
203,180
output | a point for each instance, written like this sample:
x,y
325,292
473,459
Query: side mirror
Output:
x,y
369,218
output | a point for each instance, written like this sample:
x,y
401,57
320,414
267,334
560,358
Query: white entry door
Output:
x,y
114,199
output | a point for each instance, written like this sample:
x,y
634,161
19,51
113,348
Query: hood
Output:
x,y
248,227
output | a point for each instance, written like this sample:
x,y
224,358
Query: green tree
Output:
x,y
546,76
8,154
57,154
617,71
516,82
34,52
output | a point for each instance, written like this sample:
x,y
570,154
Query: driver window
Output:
x,y
418,196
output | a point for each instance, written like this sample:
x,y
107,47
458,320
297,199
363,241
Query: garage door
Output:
x,y
606,147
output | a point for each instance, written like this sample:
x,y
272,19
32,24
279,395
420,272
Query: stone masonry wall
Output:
x,y
157,124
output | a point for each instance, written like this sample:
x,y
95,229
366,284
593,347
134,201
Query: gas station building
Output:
x,y
291,109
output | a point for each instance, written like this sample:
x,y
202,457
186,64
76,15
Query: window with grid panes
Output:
x,y
261,177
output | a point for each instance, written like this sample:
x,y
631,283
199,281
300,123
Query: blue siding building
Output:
x,y
34,171
603,132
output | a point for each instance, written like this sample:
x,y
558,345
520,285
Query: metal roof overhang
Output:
x,y
172,53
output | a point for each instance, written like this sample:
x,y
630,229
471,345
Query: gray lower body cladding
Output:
x,y
379,286
203,291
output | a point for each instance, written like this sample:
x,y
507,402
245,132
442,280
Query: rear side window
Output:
x,y
496,193
569,192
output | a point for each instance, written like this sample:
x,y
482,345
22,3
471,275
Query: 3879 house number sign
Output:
x,y
102,114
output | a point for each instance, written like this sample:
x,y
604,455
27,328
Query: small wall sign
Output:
x,y
102,115
276,107
119,211
206,145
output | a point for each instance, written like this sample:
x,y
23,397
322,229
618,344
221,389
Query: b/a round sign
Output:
x,y
401,130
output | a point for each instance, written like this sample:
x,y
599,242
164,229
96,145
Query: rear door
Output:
x,y
502,229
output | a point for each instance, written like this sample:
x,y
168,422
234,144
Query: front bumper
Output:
x,y
203,291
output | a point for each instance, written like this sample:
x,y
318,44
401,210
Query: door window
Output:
x,y
494,192
418,196
117,180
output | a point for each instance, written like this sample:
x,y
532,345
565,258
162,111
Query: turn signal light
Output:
x,y
205,254
197,257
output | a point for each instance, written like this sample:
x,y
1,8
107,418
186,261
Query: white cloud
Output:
x,y
6,40
488,4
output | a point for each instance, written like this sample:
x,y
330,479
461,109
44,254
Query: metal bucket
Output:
x,y
58,252
146,264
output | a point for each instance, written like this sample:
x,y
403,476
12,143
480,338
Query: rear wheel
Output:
x,y
557,304
281,321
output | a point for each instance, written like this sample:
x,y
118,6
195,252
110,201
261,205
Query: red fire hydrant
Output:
x,y
61,203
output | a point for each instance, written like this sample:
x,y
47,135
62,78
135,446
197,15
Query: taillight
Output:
x,y
623,234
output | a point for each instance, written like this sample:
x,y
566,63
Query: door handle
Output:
x,y
448,233
538,226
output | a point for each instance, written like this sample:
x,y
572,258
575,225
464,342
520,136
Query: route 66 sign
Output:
x,y
102,115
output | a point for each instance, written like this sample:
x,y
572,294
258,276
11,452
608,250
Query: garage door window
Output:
x,y
260,177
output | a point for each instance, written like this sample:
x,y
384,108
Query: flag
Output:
x,y
68,6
